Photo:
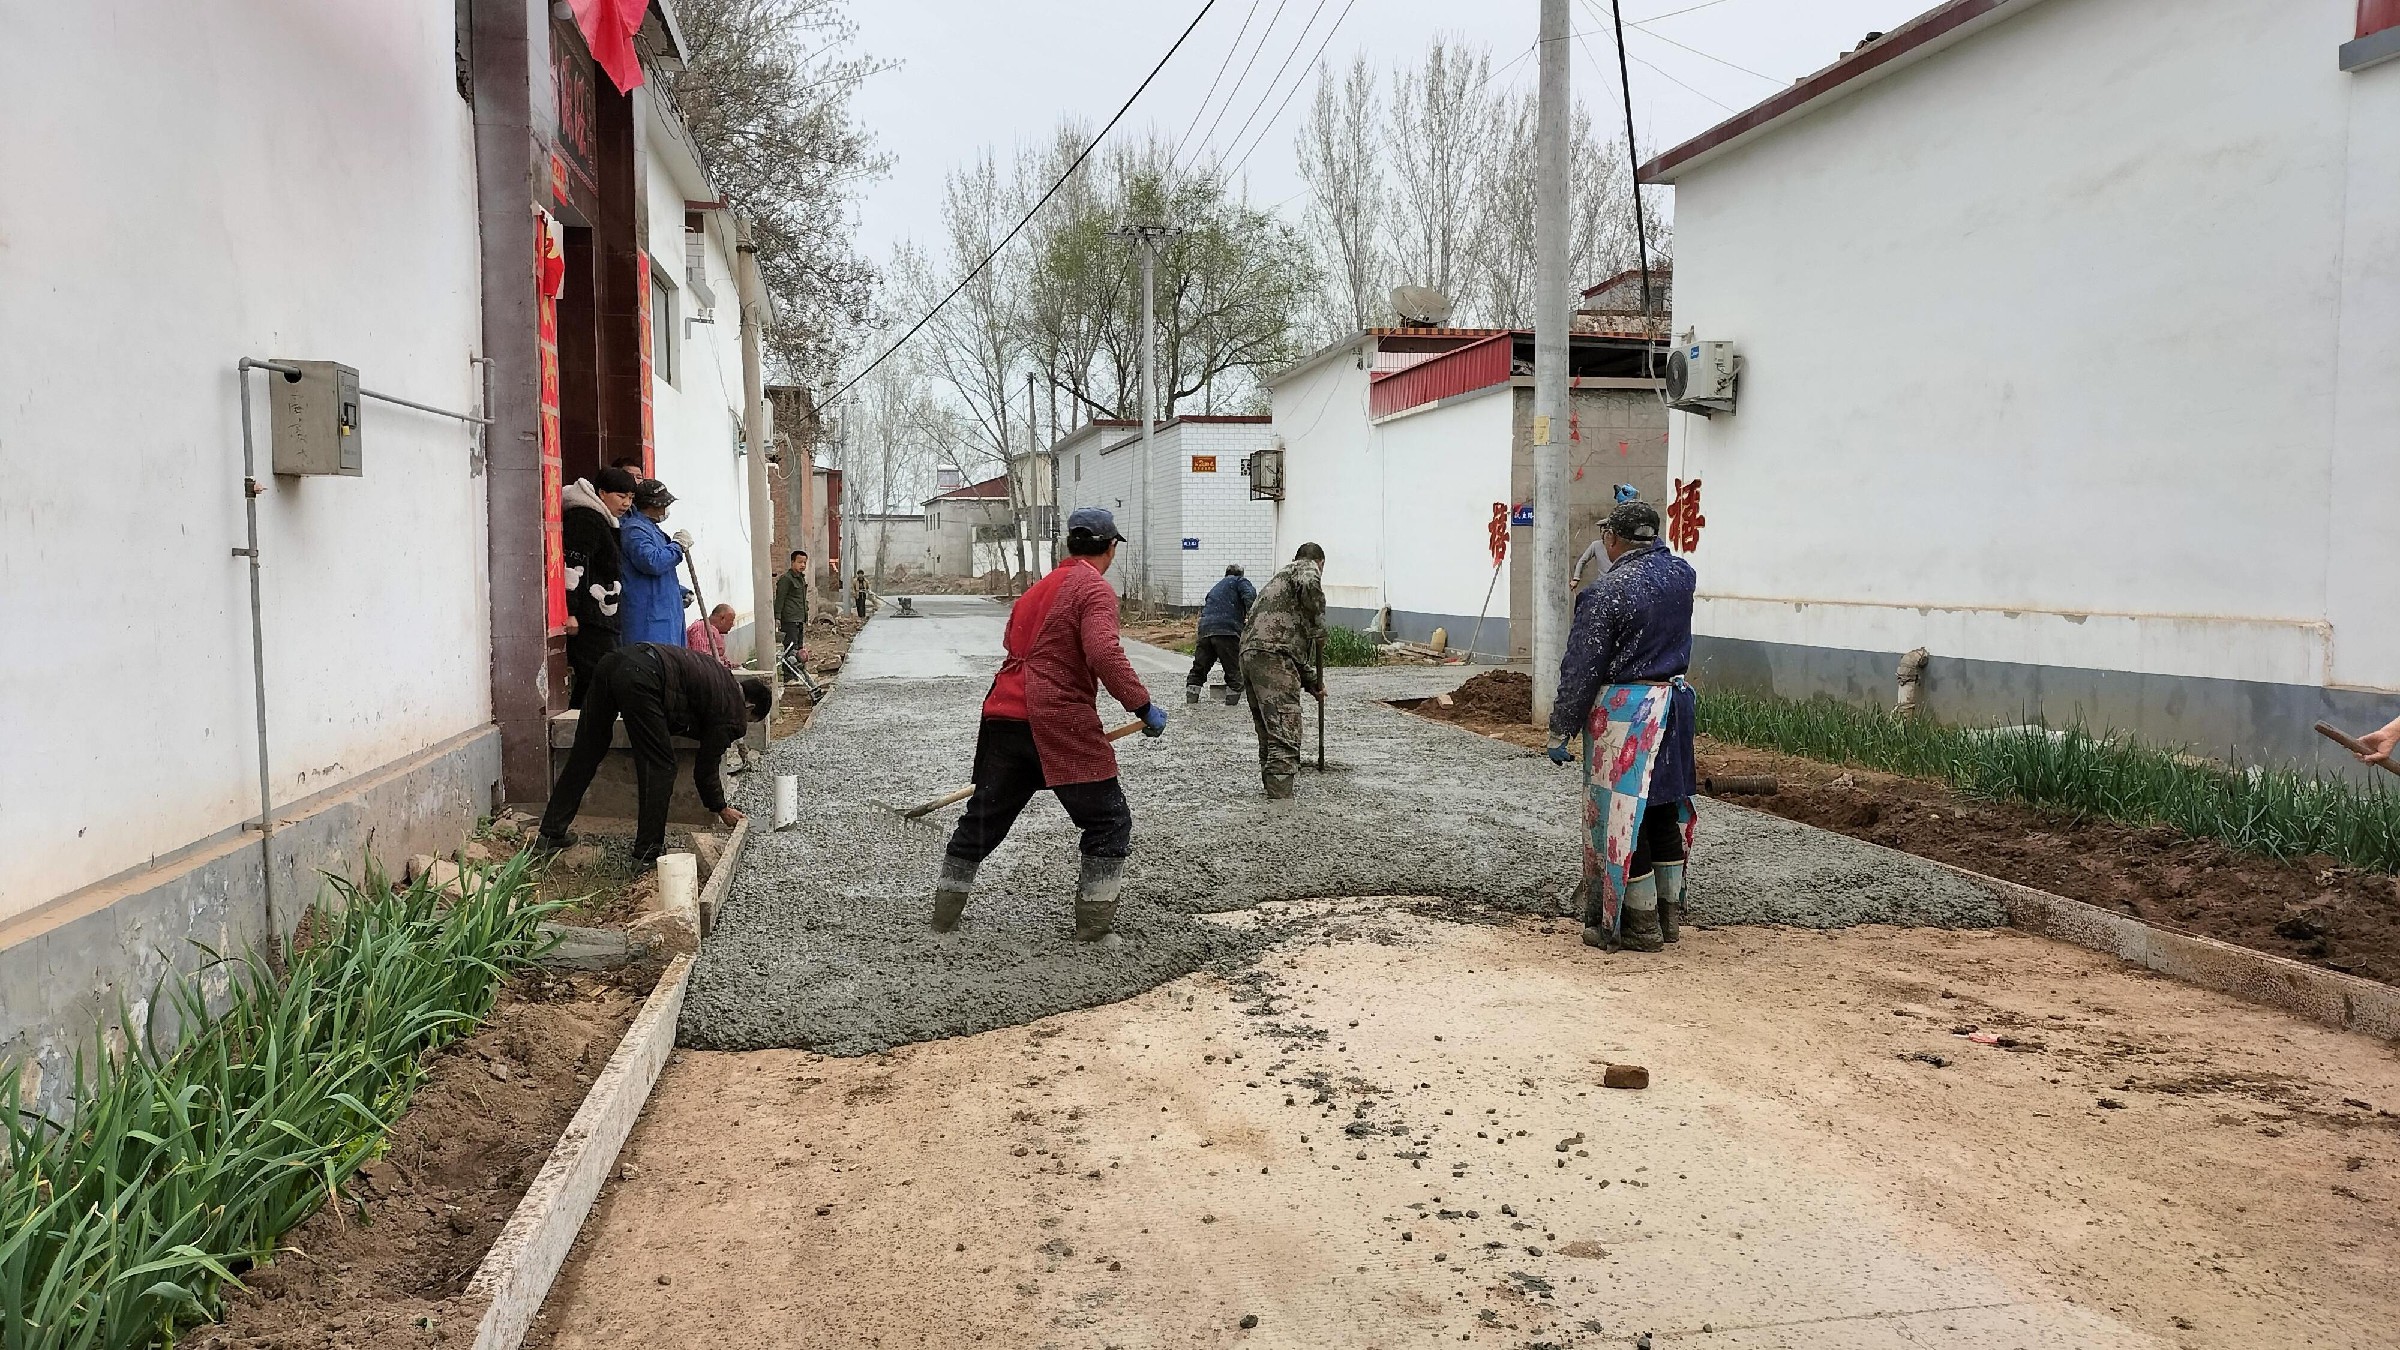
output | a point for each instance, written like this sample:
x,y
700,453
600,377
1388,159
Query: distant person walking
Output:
x,y
1221,616
707,633
653,594
1279,649
858,592
791,602
1621,687
662,692
595,577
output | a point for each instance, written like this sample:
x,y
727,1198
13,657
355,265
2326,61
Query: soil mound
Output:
x,y
1501,694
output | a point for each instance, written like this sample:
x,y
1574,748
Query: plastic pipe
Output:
x,y
787,800
679,885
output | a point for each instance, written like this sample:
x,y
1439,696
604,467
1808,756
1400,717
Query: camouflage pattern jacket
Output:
x,y
1288,619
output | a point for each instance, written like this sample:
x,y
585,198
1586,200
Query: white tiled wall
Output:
x,y
1214,508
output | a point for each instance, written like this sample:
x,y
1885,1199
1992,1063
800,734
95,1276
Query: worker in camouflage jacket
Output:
x,y
1282,642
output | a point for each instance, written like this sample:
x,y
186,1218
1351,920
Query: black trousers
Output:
x,y
792,632
1660,840
628,683
1222,649
586,648
1007,774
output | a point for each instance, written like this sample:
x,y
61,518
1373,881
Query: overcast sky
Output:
x,y
1003,72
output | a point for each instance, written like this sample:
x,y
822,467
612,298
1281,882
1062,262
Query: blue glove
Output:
x,y
1154,720
1560,754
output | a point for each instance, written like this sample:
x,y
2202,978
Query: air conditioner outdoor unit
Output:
x,y
1701,377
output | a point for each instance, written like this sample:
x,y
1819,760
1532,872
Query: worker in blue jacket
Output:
x,y
653,606
1220,640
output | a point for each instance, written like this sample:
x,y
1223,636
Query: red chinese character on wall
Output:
x,y
1683,516
1499,533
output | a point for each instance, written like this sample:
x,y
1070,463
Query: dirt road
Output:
x,y
1357,1143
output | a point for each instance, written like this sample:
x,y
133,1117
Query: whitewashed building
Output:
x,y
1401,446
456,204
2070,352
1200,515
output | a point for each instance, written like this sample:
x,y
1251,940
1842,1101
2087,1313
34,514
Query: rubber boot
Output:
x,y
1641,915
1670,901
1595,930
1191,694
950,893
1096,900
1279,787
1233,698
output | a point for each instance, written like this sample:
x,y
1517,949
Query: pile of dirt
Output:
x,y
388,1265
1496,703
2310,909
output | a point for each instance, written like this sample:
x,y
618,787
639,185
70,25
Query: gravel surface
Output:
x,y
823,943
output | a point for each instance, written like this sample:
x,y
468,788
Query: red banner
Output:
x,y
641,294
549,266
608,28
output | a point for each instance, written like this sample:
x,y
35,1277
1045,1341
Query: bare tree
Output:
x,y
1338,149
767,97
1438,144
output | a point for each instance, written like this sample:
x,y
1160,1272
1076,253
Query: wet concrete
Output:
x,y
823,944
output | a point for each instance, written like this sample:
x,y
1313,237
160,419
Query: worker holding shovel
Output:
x,y
1621,686
1041,731
1280,642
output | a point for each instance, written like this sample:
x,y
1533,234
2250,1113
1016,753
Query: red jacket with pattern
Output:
x,y
1062,646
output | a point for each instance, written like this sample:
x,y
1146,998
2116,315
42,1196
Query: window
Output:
x,y
1079,467
662,324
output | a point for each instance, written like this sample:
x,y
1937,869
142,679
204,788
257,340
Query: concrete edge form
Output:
x,y
2345,1002
720,877
517,1272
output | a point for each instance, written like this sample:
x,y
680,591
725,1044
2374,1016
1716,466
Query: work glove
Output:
x,y
683,538
1154,720
1559,753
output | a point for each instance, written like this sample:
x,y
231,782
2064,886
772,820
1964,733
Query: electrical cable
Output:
x,y
1239,34
1641,225
1661,37
1027,218
1277,77
1260,139
1210,136
1704,4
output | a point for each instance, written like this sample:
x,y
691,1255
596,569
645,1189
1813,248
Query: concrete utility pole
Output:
x,y
1550,411
754,437
1146,239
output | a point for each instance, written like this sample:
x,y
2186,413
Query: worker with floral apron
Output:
x,y
1621,686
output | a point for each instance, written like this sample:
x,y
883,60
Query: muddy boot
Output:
x,y
1670,901
1191,694
950,893
1096,900
1595,928
1641,914
1279,787
1233,698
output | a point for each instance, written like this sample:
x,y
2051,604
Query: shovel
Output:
x,y
927,809
2354,746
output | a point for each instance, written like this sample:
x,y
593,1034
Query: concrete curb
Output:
x,y
517,1272
2345,1002
720,878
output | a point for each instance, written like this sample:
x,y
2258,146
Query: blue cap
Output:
x,y
1095,521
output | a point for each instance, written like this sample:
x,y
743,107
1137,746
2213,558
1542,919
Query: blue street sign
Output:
x,y
1522,515
1189,542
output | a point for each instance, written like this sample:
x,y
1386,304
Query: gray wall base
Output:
x,y
2238,721
1412,626
68,968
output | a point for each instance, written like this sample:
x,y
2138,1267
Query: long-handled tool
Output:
x,y
1320,705
2355,746
919,812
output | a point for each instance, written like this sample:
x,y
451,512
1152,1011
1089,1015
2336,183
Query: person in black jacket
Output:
x,y
594,572
661,692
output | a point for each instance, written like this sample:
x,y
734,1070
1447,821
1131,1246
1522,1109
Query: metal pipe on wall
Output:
x,y
258,635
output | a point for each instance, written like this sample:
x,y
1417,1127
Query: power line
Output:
x,y
1243,78
1239,34
1277,77
1662,74
1313,61
1027,218
1704,4
1660,37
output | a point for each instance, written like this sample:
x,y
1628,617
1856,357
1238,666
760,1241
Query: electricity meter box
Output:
x,y
316,419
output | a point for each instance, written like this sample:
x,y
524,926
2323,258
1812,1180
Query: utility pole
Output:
x,y
1032,500
753,296
1146,239
1550,411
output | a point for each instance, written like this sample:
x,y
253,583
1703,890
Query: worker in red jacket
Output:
x,y
1041,729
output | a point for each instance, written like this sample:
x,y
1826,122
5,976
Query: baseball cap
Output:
x,y
651,492
1096,521
614,480
1635,521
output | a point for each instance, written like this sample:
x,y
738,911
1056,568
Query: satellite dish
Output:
x,y
1421,306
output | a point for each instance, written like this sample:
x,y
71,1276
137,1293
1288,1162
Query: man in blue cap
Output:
x,y
1041,731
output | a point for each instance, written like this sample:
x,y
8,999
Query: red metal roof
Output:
x,y
989,487
1935,25
1478,365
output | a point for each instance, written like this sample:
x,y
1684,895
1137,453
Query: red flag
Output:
x,y
608,28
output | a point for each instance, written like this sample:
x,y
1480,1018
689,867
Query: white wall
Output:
x,y
1443,468
696,418
2075,344
290,178
1332,484
1216,509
